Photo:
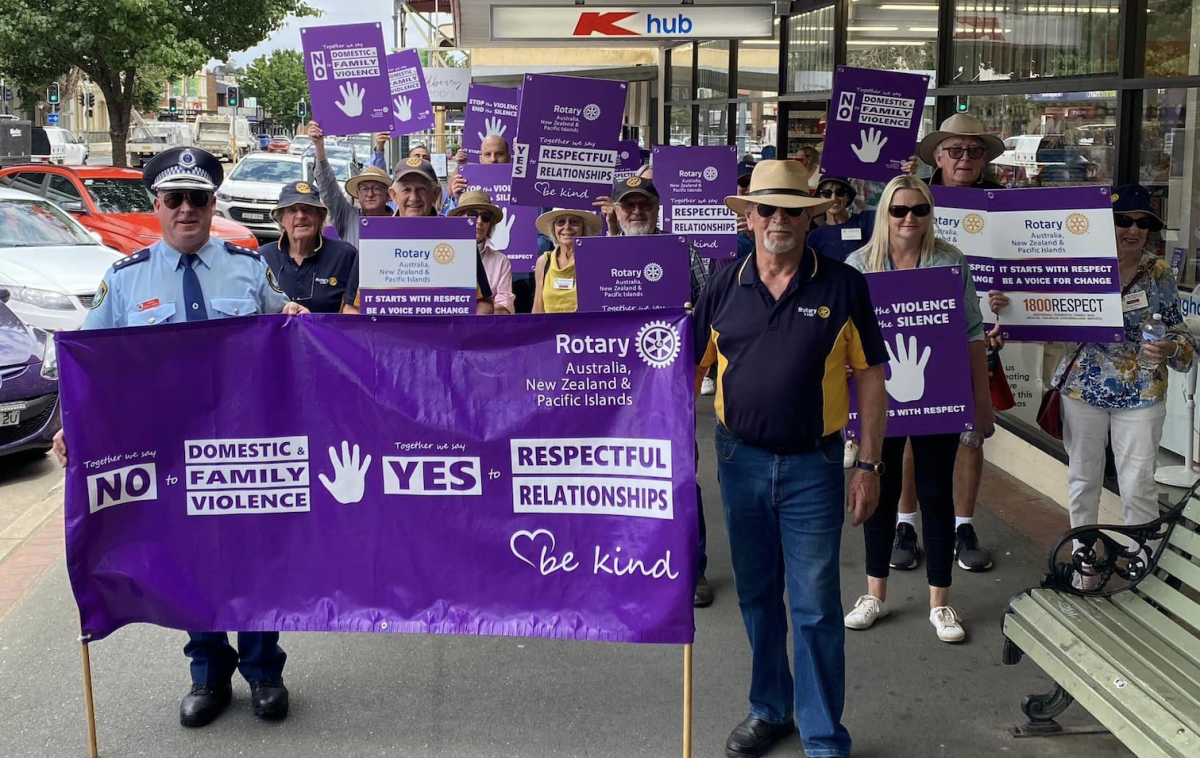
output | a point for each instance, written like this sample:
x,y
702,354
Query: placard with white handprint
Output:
x,y
928,374
411,109
874,122
515,235
348,78
490,112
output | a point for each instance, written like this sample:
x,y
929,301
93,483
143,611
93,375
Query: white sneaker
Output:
x,y
948,624
867,610
708,386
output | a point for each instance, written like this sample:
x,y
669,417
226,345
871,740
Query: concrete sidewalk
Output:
x,y
384,695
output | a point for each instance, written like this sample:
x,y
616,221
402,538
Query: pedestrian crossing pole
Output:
x,y
93,750
687,701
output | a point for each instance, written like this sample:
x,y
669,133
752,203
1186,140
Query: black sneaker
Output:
x,y
970,555
906,551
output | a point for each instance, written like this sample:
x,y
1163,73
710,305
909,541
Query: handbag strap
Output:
x,y
1124,291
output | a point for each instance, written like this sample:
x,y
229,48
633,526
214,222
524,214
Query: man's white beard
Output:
x,y
780,247
631,229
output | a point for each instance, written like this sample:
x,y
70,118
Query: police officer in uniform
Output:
x,y
189,276
312,269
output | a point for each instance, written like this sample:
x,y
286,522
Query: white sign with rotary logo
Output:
x,y
423,266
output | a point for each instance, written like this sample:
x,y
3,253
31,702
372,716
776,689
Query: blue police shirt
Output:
x,y
837,241
147,287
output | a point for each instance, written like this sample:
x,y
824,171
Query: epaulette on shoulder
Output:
x,y
138,257
239,250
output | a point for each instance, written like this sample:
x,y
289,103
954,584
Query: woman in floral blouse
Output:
x,y
1106,394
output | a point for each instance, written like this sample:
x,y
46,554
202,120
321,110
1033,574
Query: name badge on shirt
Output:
x,y
851,234
1134,301
564,283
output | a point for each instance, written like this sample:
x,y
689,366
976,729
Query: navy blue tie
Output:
x,y
193,296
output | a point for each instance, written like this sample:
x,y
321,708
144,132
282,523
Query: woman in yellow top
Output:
x,y
554,275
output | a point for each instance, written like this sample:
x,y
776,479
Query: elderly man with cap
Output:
x,y
843,231
960,150
312,269
493,149
369,188
190,276
781,326
478,205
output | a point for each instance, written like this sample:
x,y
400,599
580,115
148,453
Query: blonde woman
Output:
x,y
554,274
904,238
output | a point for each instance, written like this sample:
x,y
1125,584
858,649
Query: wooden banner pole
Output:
x,y
687,702
93,750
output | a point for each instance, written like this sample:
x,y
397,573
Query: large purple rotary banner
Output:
x,y
440,475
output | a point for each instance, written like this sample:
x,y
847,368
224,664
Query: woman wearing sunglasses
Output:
x,y
554,272
905,239
843,231
1106,393
478,205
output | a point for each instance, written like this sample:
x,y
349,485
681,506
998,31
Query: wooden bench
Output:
x,y
1127,649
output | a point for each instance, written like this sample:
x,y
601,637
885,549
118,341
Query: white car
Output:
x,y
251,190
300,143
65,148
49,263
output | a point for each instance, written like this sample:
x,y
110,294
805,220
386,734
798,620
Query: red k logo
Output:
x,y
603,24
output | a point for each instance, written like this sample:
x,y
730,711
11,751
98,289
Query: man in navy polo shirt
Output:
x,y
311,269
782,326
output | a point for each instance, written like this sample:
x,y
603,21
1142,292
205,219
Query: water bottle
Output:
x,y
1153,331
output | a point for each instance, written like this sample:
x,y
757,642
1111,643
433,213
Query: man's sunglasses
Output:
x,y
197,198
1123,221
484,216
828,193
901,211
975,152
766,211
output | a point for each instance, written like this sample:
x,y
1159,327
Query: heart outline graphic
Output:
x,y
532,537
542,188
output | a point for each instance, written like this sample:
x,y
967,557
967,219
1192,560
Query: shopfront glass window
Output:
x,y
1027,39
714,125
1170,169
810,51
712,70
893,36
681,73
1172,43
1053,139
755,125
758,66
681,125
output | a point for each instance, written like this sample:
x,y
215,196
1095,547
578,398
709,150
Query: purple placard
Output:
x,y
924,326
629,159
874,126
348,78
410,98
417,266
565,149
490,111
403,484
693,183
632,273
516,234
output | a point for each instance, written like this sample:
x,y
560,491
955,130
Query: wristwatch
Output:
x,y
875,468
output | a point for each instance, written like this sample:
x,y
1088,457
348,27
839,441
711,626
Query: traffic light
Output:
x,y
962,104
53,94
5,93
173,105
91,101
233,97
302,109
81,100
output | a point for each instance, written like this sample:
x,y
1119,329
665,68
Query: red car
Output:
x,y
110,201
279,144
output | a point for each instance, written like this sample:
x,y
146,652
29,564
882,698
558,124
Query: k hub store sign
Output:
x,y
632,22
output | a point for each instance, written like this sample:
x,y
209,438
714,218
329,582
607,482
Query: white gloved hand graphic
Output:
x,y
403,108
502,231
349,478
907,382
872,142
492,127
353,95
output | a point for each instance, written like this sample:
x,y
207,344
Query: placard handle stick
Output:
x,y
687,701
93,750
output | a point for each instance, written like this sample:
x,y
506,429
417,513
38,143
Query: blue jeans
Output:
x,y
258,657
784,516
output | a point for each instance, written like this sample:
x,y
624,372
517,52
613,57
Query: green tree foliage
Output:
x,y
111,41
279,83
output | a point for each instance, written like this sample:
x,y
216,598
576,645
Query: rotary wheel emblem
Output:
x,y
658,344
591,112
973,223
1077,223
414,162
653,272
635,181
443,253
710,173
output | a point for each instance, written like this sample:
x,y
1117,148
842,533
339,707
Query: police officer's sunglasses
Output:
x,y
766,211
900,211
976,152
197,198
484,216
1123,221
